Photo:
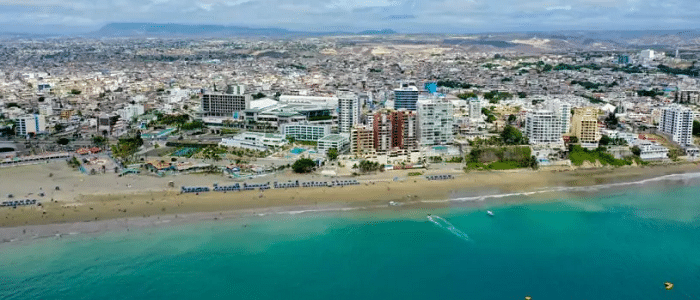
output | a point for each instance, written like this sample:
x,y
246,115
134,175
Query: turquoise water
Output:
x,y
297,150
619,243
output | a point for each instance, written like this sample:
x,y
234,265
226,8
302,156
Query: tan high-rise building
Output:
x,y
584,125
361,141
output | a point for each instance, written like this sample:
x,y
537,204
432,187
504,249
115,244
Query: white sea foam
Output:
x,y
444,224
686,176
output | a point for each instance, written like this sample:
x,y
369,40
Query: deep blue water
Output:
x,y
620,243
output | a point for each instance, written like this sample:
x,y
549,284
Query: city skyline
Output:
x,y
405,16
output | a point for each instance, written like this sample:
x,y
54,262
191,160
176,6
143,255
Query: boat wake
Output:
x,y
444,224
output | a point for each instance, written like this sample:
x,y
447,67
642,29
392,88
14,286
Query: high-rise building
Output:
x,y
229,104
30,124
435,122
361,141
563,111
543,127
677,122
404,130
584,125
382,132
647,55
395,130
348,115
474,108
406,97
104,124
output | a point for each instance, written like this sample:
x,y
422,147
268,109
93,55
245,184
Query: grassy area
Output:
x,y
498,165
500,158
578,155
415,173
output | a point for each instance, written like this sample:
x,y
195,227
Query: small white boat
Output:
x,y
490,213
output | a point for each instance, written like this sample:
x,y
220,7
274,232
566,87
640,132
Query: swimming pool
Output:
x,y
297,150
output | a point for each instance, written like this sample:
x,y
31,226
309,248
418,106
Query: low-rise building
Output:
x,y
341,142
255,141
303,131
30,124
652,151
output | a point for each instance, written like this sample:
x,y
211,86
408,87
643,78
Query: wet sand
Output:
x,y
106,202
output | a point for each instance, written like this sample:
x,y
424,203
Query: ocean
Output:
x,y
612,242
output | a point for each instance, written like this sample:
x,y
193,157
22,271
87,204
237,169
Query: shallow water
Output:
x,y
617,242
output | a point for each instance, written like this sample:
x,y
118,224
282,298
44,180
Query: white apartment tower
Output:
x,y
563,110
435,121
348,115
677,122
543,127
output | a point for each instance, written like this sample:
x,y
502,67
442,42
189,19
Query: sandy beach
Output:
x,y
86,203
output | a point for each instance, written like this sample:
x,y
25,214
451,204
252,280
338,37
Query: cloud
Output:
x,y
400,15
568,7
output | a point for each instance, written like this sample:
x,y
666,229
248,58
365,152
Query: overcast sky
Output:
x,y
406,16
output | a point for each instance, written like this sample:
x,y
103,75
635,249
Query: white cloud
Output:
x,y
433,15
568,7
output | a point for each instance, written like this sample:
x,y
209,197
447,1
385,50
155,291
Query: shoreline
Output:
x,y
91,214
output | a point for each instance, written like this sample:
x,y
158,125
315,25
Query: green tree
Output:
x,y
369,166
303,165
511,136
465,96
58,127
332,154
512,118
611,121
605,140
696,128
63,141
99,140
636,151
573,140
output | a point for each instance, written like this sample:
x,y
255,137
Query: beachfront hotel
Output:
x,y
340,142
677,123
255,141
303,131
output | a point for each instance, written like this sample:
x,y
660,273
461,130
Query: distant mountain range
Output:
x,y
154,29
